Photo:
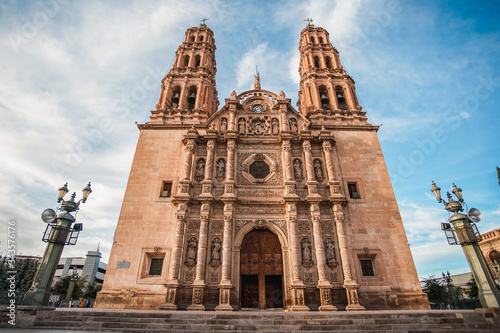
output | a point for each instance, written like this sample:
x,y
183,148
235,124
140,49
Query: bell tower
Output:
x,y
325,87
188,93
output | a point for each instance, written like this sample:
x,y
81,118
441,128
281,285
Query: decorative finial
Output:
x,y
203,21
309,21
256,85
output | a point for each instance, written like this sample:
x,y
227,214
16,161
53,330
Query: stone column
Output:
x,y
209,170
349,282
183,96
333,97
288,170
287,161
350,99
323,282
297,287
188,160
225,283
229,182
332,182
173,275
199,96
312,184
315,95
201,258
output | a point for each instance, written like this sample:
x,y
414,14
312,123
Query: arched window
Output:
x,y
339,93
186,61
321,40
328,61
176,95
323,97
192,39
191,98
316,62
201,38
312,40
197,61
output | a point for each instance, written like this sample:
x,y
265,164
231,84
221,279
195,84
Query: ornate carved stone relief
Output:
x,y
262,224
216,227
259,125
214,278
304,227
188,276
308,278
256,193
193,226
254,210
326,227
245,160
334,277
217,209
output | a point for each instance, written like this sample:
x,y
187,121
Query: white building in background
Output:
x,y
91,267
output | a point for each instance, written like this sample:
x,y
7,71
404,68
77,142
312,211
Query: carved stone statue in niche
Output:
x,y
242,126
223,125
275,125
297,170
293,126
330,253
215,252
220,170
192,246
199,174
307,261
318,170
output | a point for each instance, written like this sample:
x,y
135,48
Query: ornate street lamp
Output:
x,y
71,287
462,230
448,280
60,231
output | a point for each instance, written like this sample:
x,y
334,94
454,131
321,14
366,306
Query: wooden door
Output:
x,y
261,269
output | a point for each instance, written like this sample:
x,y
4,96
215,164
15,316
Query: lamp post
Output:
x,y
59,232
71,287
462,230
448,280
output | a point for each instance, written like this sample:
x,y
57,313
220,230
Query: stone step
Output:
x,y
187,321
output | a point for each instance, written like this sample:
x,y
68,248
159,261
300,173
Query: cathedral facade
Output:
x,y
257,205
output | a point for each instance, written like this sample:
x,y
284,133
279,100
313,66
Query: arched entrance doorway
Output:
x,y
261,269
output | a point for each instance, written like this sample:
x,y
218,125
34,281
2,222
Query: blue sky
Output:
x,y
77,75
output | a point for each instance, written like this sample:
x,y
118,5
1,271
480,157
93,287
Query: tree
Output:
x,y
61,287
91,290
436,291
24,269
472,290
